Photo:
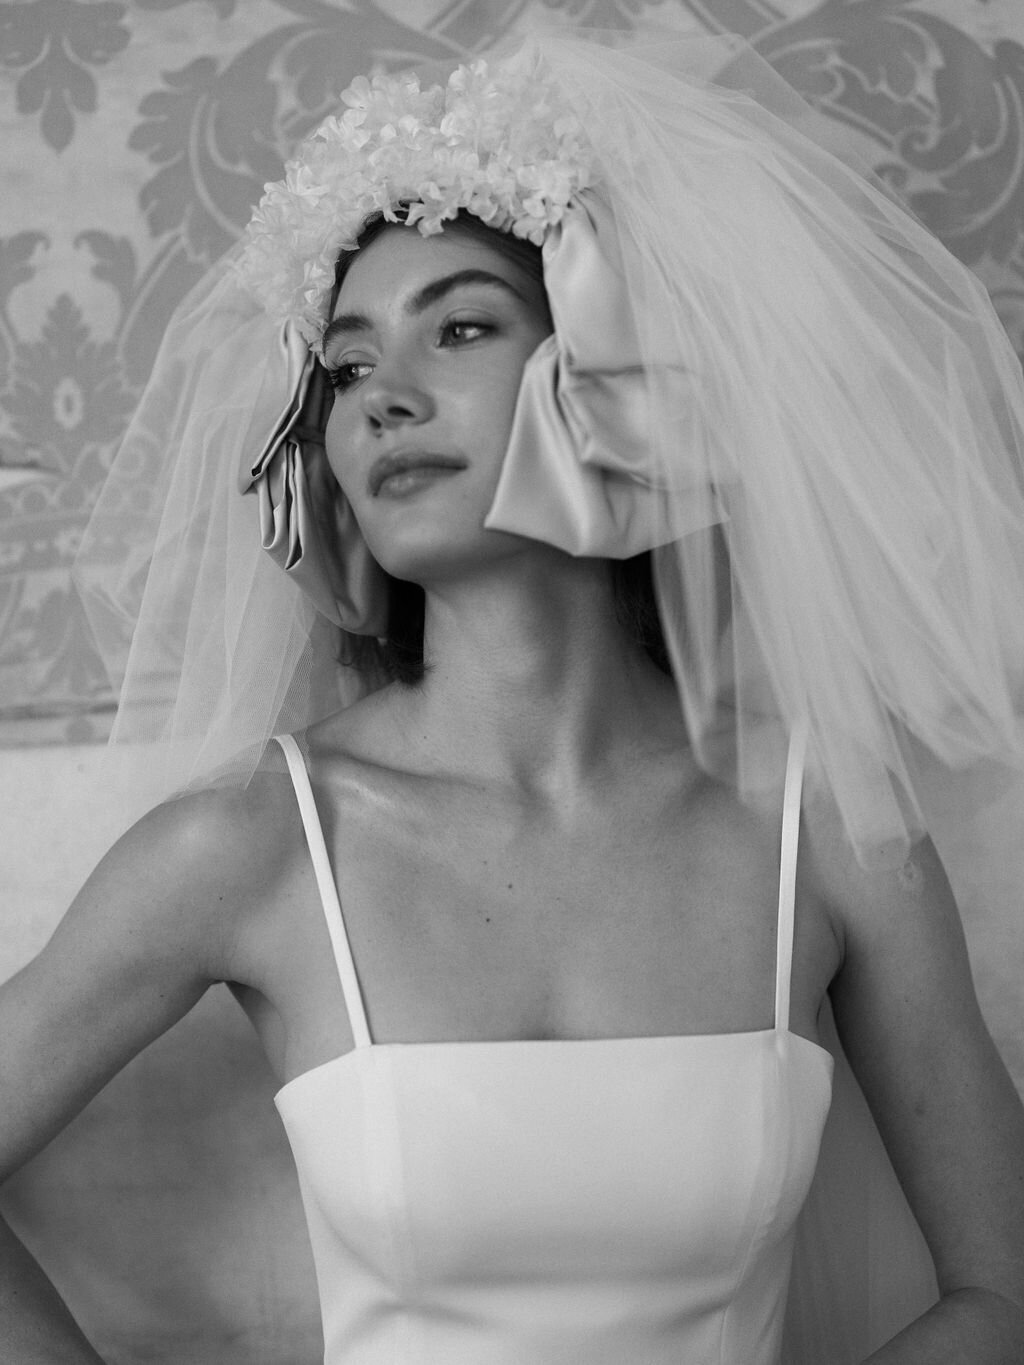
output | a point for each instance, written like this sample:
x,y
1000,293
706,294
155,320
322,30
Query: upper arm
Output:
x,y
946,1108
150,930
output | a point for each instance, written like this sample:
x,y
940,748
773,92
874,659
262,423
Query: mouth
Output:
x,y
404,469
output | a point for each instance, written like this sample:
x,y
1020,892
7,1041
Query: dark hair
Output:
x,y
398,657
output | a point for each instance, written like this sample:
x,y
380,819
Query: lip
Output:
x,y
404,461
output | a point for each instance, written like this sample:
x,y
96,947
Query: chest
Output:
x,y
471,918
534,1110
550,920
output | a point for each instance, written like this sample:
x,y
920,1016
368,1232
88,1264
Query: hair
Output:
x,y
398,657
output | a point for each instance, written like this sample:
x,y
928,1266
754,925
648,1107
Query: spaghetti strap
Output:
x,y
787,873
329,899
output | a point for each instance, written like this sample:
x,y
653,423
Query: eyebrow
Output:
x,y
423,298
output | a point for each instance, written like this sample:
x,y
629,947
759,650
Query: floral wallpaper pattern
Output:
x,y
134,137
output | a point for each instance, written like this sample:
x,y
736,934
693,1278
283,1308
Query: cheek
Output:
x,y
337,449
495,401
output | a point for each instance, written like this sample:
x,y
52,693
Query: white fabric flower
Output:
x,y
497,141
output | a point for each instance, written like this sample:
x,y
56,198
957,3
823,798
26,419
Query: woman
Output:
x,y
552,1062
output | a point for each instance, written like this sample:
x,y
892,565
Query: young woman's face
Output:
x,y
425,351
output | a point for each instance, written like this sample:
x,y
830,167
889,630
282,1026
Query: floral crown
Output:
x,y
498,141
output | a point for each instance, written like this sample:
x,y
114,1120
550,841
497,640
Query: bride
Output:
x,y
540,929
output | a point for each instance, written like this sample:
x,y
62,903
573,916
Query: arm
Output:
x,y
944,1104
139,946
37,1327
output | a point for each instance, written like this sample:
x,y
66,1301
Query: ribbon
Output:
x,y
583,470
306,524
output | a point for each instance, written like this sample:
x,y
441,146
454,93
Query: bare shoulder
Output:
x,y
903,983
910,895
157,922
192,864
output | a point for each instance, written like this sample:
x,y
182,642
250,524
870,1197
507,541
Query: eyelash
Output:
x,y
341,377
481,328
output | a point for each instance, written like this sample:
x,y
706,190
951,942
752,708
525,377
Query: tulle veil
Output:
x,y
765,372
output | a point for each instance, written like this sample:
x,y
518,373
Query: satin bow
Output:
x,y
306,523
582,470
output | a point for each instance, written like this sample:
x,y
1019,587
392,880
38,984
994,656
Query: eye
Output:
x,y
461,331
349,372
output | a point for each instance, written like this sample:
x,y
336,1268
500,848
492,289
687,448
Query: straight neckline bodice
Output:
x,y
489,1051
548,1199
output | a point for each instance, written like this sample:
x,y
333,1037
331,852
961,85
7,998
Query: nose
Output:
x,y
390,402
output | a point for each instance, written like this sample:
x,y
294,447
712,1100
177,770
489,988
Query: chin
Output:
x,y
444,558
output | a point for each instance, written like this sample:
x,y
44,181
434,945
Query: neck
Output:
x,y
532,679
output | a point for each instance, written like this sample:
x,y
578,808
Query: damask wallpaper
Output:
x,y
134,138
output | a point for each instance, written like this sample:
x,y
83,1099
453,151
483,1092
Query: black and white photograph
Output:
x,y
511,682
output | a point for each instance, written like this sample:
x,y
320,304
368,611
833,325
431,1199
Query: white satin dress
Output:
x,y
619,1201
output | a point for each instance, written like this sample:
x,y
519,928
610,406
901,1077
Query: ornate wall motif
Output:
x,y
136,136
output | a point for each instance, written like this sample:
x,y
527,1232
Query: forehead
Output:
x,y
400,260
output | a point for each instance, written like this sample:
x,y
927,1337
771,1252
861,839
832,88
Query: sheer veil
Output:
x,y
766,372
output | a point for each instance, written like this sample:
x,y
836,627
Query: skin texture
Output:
x,y
419,373
524,847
